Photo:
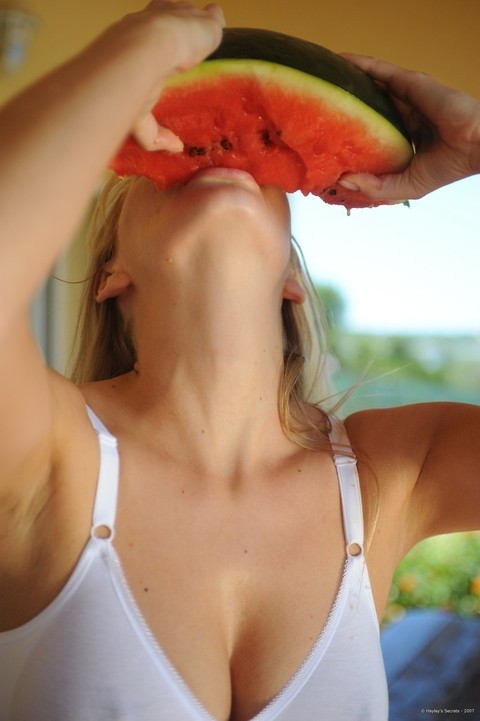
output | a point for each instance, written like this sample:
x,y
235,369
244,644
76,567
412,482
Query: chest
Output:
x,y
234,586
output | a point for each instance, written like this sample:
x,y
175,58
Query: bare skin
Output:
x,y
245,525
443,123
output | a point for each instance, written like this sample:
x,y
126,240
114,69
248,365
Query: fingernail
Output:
x,y
348,185
169,141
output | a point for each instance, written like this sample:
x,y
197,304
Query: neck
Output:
x,y
208,381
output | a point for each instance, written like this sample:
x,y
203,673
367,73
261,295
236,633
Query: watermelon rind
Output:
x,y
379,124
309,58
290,112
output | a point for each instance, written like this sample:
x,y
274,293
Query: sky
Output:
x,y
399,269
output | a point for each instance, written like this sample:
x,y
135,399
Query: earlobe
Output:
x,y
110,284
293,291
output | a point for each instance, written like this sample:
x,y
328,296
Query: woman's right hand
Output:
x,y
444,124
188,34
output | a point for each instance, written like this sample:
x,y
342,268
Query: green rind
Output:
x,y
307,57
312,86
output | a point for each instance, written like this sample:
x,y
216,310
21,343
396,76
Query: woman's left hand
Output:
x,y
443,123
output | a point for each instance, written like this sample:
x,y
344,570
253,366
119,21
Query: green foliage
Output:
x,y
333,303
441,572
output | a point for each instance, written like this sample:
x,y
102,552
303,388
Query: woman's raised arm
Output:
x,y
56,138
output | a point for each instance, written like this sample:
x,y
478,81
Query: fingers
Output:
x,y
414,89
192,33
427,172
444,124
181,7
212,9
216,12
385,188
152,136
408,86
379,69
393,187
396,79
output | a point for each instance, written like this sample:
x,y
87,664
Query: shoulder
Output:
x,y
426,457
391,445
393,435
70,410
406,435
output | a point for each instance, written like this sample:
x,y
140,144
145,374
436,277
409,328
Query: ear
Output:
x,y
292,290
110,283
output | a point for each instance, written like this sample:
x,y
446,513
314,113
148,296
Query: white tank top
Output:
x,y
90,656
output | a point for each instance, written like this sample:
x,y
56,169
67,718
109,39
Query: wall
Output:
x,y
436,36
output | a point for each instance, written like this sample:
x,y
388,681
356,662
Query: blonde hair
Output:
x,y
105,348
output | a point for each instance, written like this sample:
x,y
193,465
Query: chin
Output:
x,y
220,209
231,195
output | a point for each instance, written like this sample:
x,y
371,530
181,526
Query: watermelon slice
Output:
x,y
288,111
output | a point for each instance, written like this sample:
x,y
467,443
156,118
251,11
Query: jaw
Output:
x,y
219,205
209,263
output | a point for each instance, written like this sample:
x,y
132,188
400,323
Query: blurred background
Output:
x,y
399,284
401,292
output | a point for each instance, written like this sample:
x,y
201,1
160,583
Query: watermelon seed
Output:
x,y
332,191
226,144
197,151
267,140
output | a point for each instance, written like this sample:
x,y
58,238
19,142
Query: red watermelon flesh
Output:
x,y
284,126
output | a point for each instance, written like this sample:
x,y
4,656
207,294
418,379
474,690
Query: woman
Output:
x,y
221,583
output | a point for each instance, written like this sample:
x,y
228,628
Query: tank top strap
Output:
x,y
349,483
105,506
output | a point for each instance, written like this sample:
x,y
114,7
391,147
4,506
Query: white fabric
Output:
x,y
90,656
105,507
